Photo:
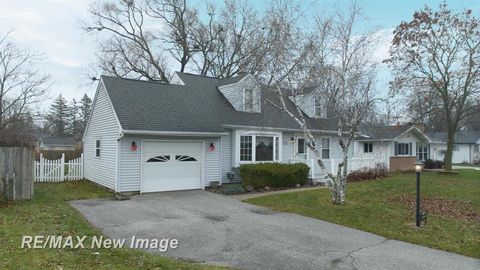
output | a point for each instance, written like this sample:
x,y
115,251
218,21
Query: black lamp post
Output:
x,y
418,216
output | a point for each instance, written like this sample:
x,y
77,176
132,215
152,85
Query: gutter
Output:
x,y
280,129
170,133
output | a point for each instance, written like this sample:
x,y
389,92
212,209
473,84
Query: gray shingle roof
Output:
x,y
197,106
467,137
384,132
58,141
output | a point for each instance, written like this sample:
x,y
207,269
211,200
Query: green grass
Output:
x,y
48,213
369,208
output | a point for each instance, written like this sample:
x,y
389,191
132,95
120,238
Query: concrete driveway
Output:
x,y
220,230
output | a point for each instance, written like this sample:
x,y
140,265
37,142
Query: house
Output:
x,y
398,147
151,136
465,149
57,144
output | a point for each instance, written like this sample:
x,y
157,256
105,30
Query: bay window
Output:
x,y
245,148
259,148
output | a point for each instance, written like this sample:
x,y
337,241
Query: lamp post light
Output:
x,y
418,216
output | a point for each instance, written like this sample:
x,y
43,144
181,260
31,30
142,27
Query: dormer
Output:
x,y
243,93
312,105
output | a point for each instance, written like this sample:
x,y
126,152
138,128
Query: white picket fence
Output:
x,y
58,170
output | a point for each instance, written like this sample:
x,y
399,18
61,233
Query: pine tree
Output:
x,y
58,117
85,108
74,123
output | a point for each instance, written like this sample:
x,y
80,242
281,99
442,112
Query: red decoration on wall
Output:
x,y
212,147
133,147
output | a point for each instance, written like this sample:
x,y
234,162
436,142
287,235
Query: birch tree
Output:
x,y
438,53
343,76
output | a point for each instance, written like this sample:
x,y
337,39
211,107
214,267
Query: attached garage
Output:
x,y
172,165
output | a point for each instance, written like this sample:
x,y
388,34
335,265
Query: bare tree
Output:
x,y
344,75
439,52
131,47
147,38
21,85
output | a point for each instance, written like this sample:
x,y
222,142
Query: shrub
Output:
x,y
429,164
433,164
274,174
378,172
438,164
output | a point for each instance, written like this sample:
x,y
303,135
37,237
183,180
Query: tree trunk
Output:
x,y
449,152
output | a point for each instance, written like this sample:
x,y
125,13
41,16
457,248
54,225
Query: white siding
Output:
x,y
212,161
130,161
226,161
288,148
103,126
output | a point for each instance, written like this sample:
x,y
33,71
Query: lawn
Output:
x,y
386,207
50,214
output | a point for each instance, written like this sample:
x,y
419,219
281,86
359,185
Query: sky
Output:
x,y
52,28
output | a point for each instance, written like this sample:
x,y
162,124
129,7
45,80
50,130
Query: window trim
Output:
x,y
425,154
329,148
98,148
408,149
367,147
277,143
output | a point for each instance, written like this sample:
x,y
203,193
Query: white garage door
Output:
x,y
171,166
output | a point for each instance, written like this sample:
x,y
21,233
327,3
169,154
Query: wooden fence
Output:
x,y
58,170
16,173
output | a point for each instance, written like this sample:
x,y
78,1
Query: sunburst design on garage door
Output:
x,y
163,158
184,158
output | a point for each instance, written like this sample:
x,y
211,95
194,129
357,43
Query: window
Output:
x,y
301,148
245,148
403,149
248,99
318,107
277,148
267,148
456,147
97,148
182,158
422,151
164,158
476,148
367,147
325,148
264,148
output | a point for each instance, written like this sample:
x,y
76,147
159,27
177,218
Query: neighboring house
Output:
x,y
465,149
57,144
399,147
151,136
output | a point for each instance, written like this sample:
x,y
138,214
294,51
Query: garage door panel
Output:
x,y
171,166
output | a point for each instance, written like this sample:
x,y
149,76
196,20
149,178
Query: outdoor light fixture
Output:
x,y
212,147
133,147
418,167
418,214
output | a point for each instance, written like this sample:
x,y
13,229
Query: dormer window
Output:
x,y
248,99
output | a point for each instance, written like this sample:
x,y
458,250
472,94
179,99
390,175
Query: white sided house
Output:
x,y
466,148
150,136
399,147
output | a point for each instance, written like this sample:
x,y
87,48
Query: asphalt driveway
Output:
x,y
220,230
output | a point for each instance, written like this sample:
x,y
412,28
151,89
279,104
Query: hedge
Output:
x,y
274,174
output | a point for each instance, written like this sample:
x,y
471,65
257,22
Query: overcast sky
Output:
x,y
52,28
